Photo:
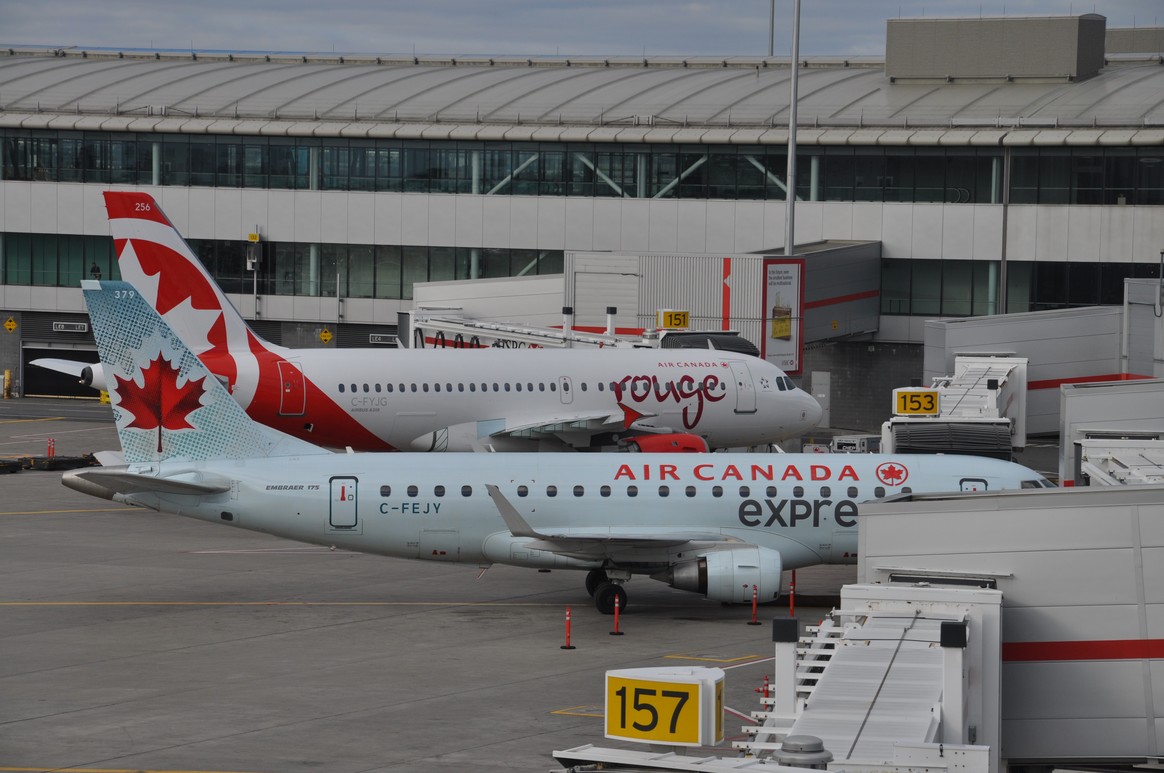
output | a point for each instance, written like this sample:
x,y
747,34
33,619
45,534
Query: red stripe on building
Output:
x,y
727,294
1053,383
842,299
1116,649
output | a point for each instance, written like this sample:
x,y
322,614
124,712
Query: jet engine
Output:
x,y
728,575
94,376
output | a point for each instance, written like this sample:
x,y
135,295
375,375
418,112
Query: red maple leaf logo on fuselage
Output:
x,y
160,403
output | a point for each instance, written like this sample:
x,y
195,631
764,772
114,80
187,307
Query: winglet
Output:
x,y
518,526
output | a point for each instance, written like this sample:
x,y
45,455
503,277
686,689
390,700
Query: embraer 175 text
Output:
x,y
463,400
715,524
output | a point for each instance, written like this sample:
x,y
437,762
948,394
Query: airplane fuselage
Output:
x,y
805,506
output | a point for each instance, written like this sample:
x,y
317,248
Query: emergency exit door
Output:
x,y
745,389
343,515
292,390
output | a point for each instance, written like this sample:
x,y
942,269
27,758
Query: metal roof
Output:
x,y
672,100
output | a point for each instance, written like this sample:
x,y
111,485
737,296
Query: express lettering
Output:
x,y
639,389
787,513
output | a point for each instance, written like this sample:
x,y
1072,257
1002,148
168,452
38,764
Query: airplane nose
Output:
x,y
812,411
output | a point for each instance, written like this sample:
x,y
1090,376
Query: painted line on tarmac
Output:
x,y
713,659
26,421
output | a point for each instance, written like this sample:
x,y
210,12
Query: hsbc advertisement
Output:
x,y
782,341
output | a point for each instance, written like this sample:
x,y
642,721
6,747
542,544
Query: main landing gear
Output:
x,y
606,590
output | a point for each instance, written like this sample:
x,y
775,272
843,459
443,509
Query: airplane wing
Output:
x,y
596,544
68,367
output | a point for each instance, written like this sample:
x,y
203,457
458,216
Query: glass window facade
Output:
x,y
963,288
351,270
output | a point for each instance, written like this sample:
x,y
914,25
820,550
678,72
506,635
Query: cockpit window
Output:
x,y
1039,483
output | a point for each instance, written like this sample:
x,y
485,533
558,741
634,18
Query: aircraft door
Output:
x,y
292,390
745,389
972,484
565,389
343,515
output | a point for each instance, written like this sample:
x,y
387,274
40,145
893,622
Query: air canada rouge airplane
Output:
x,y
451,400
714,524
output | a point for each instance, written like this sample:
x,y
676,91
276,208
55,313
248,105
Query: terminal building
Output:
x,y
982,166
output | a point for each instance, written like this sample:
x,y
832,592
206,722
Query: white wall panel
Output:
x,y
1148,232
775,222
579,229
496,219
199,214
442,220
721,226
635,234
1084,235
927,231
92,206
308,214
868,220
896,230
1118,232
836,221
228,222
360,219
551,223
1022,231
469,228
810,221
1051,242
279,223
691,226
608,224
749,224
523,223
414,219
18,207
957,225
387,219
663,222
65,210
987,233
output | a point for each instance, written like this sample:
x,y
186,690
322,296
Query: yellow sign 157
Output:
x,y
660,707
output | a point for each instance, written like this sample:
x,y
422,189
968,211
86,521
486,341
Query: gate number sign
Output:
x,y
671,706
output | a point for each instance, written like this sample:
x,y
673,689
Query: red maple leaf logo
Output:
x,y
160,403
892,474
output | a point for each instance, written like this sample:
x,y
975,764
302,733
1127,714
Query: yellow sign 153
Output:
x,y
660,712
914,402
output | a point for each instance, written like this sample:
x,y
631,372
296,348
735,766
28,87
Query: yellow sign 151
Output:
x,y
669,319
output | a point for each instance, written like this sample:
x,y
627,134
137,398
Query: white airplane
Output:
x,y
446,400
717,524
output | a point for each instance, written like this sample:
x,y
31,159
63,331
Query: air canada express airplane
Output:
x,y
715,524
463,400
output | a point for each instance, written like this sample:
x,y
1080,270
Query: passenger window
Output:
x,y
579,490
583,386
879,492
413,491
413,387
496,388
529,387
907,489
770,492
424,387
472,387
460,387
717,491
604,491
852,492
798,492
341,388
518,385
745,491
436,387
601,386
448,387
664,491
466,491
353,388
385,491
541,387
388,387
553,387
826,492
438,491
366,388
690,491
632,491
551,491
522,491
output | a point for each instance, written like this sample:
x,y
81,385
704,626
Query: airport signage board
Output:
x,y
782,338
668,706
915,401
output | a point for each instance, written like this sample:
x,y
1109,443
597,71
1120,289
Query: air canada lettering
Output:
x,y
753,472
787,513
640,389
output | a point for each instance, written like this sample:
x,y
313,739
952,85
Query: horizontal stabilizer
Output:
x,y
111,482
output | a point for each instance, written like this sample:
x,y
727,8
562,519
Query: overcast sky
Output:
x,y
535,27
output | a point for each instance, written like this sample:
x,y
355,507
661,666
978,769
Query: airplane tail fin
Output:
x,y
166,403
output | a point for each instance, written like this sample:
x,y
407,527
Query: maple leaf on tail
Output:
x,y
160,403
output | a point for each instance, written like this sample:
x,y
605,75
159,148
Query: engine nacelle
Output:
x,y
675,443
94,376
728,575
